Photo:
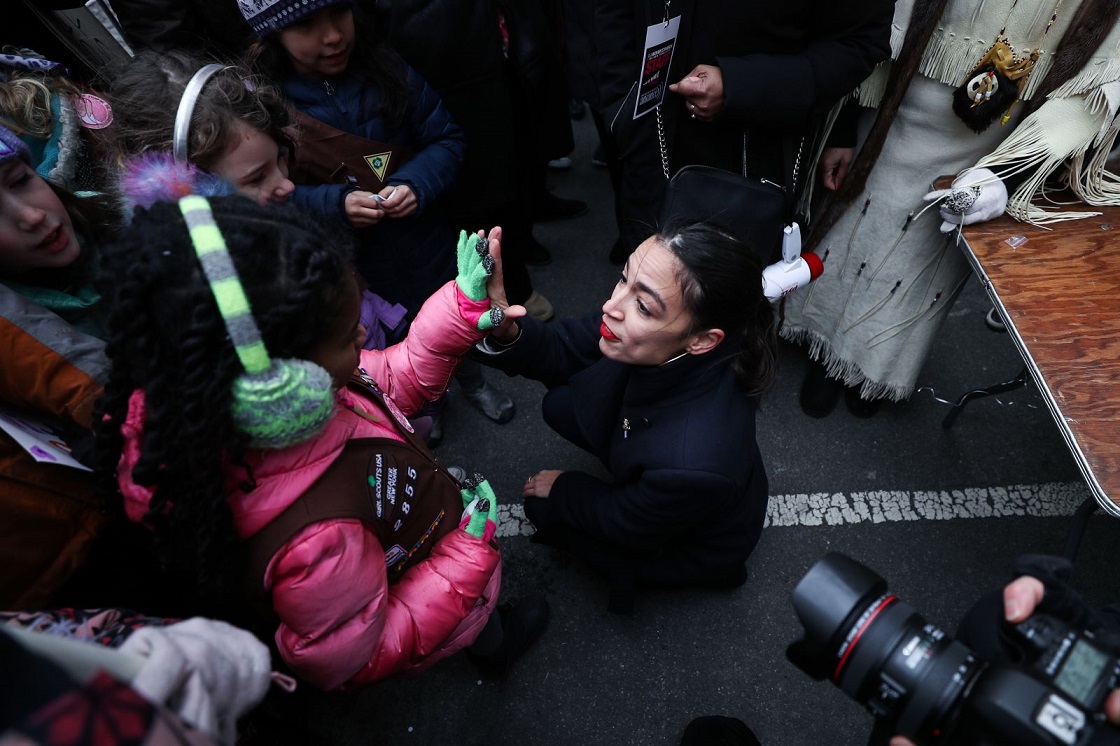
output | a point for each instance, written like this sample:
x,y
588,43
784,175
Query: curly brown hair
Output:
x,y
146,94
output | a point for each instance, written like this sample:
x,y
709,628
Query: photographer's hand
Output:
x,y
1020,598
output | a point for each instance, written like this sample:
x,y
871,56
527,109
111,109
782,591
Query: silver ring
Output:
x,y
961,199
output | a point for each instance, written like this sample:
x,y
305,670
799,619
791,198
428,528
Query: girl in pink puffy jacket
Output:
x,y
234,338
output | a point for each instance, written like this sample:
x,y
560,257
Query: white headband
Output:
x,y
191,93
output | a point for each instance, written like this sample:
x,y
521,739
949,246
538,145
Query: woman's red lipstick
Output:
x,y
606,333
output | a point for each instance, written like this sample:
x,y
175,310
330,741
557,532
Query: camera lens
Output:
x,y
878,650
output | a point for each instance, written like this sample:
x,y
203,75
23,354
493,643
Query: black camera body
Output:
x,y
933,689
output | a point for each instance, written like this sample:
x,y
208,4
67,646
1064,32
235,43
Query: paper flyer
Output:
x,y
38,438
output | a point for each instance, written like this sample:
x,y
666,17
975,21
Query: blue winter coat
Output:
x,y
347,103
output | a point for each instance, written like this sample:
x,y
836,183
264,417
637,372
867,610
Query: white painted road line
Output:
x,y
881,506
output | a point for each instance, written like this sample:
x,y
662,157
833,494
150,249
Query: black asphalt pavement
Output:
x,y
939,513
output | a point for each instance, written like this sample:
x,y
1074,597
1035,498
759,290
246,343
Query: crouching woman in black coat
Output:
x,y
662,386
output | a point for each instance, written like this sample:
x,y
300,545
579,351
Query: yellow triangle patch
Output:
x,y
379,163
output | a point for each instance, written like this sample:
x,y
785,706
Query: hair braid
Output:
x,y
167,339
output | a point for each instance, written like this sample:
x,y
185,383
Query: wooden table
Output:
x,y
1059,294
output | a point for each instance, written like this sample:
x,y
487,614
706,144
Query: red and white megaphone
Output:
x,y
794,270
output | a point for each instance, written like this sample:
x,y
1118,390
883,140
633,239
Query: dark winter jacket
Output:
x,y
688,491
457,47
347,103
404,260
783,65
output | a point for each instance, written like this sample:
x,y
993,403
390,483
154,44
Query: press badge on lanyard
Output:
x,y
653,81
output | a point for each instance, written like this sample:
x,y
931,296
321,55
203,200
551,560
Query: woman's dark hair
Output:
x,y
721,284
146,95
372,59
166,338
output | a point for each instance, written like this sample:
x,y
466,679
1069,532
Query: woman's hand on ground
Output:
x,y
540,484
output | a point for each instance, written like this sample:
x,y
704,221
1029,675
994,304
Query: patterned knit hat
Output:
x,y
269,16
12,147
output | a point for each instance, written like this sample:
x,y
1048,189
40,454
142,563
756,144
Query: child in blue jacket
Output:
x,y
377,149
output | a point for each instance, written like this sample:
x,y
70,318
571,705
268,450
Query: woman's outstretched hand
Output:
x,y
506,331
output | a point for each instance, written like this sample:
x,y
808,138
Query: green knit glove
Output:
x,y
475,267
480,514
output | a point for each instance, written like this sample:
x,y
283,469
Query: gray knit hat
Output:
x,y
269,16
12,147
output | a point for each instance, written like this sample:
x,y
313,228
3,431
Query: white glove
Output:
x,y
208,672
977,196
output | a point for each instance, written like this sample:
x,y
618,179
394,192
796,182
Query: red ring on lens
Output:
x,y
863,628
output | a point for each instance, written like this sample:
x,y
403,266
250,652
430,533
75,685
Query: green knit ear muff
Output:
x,y
277,403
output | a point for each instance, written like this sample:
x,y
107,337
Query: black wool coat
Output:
x,y
687,495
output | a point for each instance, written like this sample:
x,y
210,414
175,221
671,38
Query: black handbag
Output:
x,y
754,210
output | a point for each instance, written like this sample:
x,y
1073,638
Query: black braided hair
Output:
x,y
166,338
721,284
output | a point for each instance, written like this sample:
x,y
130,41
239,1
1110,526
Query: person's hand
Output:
x,y
479,259
362,210
834,166
540,484
977,196
480,508
1020,598
703,92
400,201
507,330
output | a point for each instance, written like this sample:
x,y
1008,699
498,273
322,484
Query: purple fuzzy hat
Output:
x,y
12,147
269,16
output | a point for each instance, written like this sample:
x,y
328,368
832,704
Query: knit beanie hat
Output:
x,y
12,147
269,16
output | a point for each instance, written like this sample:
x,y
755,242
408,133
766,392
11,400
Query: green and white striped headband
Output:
x,y
277,403
218,267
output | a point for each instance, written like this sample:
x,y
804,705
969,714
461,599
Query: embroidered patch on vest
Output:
x,y
379,163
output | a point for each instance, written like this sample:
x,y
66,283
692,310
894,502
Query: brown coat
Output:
x,y
48,515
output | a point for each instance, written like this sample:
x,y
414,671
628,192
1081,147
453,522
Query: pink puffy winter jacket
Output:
x,y
341,623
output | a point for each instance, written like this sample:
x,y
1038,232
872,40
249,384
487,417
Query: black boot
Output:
x,y
858,406
485,397
522,623
819,393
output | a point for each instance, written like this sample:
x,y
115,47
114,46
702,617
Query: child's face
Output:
x,y
256,166
35,230
340,348
321,43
